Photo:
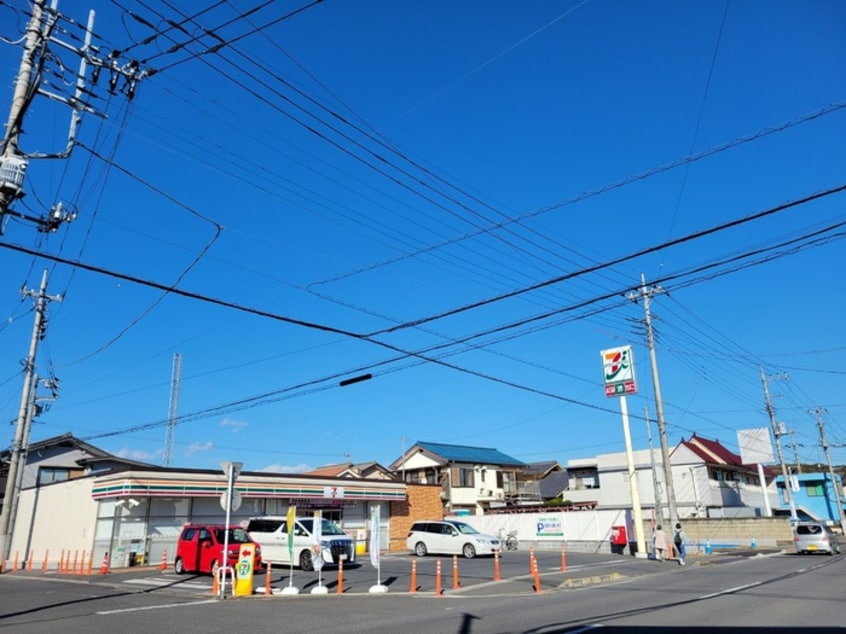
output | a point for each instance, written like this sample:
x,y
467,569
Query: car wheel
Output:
x,y
469,551
179,566
305,560
420,549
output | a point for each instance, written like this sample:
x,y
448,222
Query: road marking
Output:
x,y
150,581
155,607
731,590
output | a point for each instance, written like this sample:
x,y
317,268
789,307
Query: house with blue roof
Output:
x,y
472,479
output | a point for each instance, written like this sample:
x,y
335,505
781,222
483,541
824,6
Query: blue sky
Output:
x,y
450,197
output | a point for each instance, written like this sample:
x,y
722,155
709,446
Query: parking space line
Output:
x,y
155,607
150,581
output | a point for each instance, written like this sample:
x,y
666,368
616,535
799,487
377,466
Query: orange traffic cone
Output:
x,y
163,564
104,567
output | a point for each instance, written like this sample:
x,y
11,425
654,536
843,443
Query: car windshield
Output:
x,y
236,536
466,529
327,527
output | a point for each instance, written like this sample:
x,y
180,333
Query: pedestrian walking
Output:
x,y
660,540
679,539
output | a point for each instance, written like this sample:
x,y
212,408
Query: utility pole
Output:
x,y
29,83
819,411
659,503
777,434
795,450
20,444
33,410
12,165
646,294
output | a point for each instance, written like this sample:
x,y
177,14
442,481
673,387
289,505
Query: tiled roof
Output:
x,y
553,484
330,470
712,451
475,455
542,468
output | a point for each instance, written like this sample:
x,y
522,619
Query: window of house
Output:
x,y
462,477
47,475
814,490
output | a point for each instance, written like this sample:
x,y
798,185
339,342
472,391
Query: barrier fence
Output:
x,y
81,564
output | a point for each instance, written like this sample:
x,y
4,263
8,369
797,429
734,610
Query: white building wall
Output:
x,y
419,460
578,526
55,517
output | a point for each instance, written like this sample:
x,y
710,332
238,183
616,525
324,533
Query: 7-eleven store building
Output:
x,y
135,515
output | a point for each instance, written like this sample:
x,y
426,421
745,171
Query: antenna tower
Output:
x,y
173,409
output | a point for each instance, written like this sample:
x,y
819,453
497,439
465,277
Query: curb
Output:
x,y
583,582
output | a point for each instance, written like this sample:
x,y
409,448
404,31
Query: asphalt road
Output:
x,y
753,593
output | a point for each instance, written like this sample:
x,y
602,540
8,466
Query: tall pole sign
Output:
x,y
618,369
619,374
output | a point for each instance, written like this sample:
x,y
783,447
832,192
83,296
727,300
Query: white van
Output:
x,y
271,533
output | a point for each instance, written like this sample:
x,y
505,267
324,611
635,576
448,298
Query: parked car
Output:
x,y
200,547
449,537
815,537
272,533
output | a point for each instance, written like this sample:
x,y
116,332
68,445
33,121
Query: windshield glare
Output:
x,y
465,529
327,527
236,536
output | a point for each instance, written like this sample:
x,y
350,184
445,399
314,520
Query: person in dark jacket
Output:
x,y
679,539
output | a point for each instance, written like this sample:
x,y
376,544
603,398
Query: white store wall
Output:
x,y
55,517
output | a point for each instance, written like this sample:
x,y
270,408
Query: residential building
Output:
x,y
553,481
813,496
369,470
709,481
472,479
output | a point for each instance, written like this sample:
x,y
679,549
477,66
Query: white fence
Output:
x,y
582,530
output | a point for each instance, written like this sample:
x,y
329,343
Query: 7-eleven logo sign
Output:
x,y
618,371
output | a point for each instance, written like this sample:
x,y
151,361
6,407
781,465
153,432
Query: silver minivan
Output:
x,y
814,537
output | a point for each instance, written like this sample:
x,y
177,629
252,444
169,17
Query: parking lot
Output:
x,y
408,574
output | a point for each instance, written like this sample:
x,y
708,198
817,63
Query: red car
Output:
x,y
200,547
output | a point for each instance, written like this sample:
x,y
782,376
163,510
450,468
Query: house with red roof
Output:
x,y
709,480
712,481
